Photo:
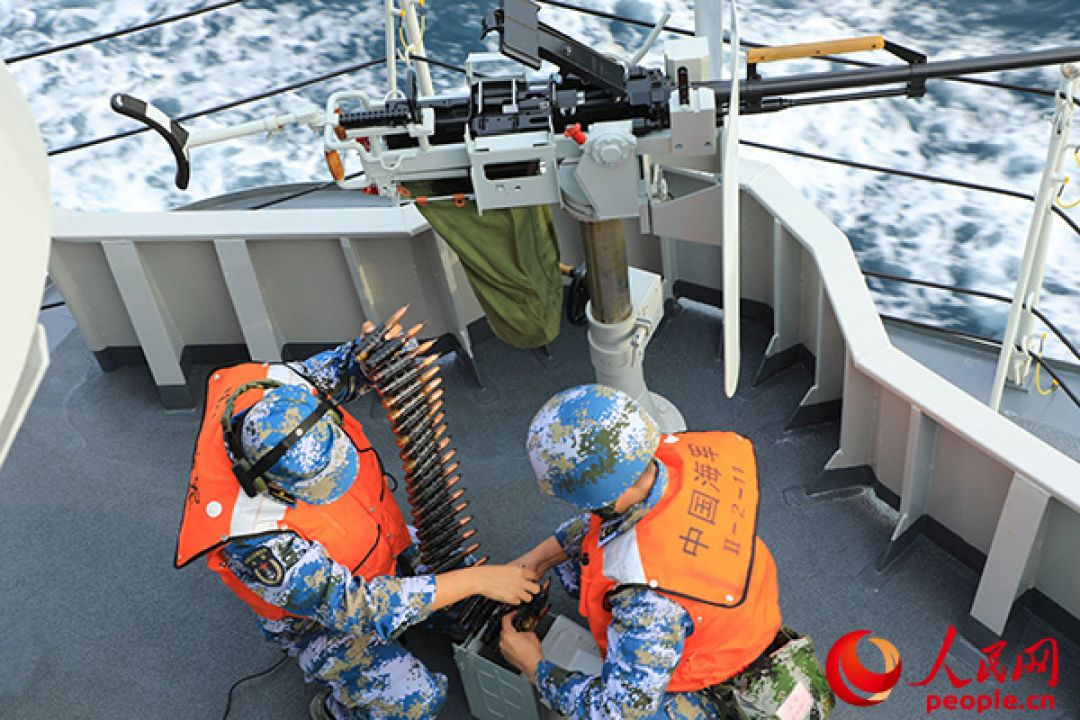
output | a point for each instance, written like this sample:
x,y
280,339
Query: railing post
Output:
x,y
416,47
1014,364
709,24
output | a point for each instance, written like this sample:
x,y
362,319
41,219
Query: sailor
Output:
x,y
313,543
679,592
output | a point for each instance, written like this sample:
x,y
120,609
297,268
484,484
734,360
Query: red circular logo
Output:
x,y
843,663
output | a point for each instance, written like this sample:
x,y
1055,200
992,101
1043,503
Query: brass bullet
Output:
x,y
423,459
416,464
398,314
374,334
451,536
426,484
412,332
433,534
439,497
426,493
383,355
430,491
437,516
414,445
454,559
402,379
408,402
408,427
417,482
423,348
429,374
386,373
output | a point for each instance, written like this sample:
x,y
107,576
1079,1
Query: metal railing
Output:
x,y
995,341
946,455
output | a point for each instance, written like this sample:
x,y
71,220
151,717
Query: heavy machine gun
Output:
x,y
597,135
590,88
594,88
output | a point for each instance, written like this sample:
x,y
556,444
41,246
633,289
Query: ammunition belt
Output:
x,y
406,378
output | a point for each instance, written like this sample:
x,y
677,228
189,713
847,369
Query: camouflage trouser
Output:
x,y
790,675
370,679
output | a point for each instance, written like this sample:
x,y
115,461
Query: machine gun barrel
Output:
x,y
767,94
648,90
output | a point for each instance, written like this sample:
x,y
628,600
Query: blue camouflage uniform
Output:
x,y
645,640
344,629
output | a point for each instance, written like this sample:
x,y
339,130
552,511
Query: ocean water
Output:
x,y
900,226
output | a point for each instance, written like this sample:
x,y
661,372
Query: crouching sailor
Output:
x,y
289,503
679,592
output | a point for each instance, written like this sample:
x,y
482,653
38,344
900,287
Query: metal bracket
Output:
x,y
607,173
525,39
513,170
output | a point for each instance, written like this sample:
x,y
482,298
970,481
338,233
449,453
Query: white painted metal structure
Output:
x,y
709,24
25,210
1014,365
945,454
166,281
730,165
414,33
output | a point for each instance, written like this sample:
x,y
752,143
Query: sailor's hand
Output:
x,y
510,584
521,649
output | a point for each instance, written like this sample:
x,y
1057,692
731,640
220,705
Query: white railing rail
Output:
x,y
163,282
943,453
995,485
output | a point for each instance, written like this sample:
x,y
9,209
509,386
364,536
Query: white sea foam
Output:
x,y
903,226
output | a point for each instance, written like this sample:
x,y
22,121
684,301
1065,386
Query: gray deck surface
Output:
x,y
970,366
98,624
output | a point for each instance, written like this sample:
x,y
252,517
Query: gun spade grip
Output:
x,y
815,49
165,126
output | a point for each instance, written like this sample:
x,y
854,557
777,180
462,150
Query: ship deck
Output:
x,y
98,624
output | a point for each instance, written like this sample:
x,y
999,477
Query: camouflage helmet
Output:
x,y
590,443
321,466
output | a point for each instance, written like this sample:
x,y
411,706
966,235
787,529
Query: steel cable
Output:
x,y
912,174
225,106
1050,371
981,294
943,181
119,33
988,340
751,44
305,191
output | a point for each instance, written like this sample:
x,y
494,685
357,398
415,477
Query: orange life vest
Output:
x,y
698,546
362,530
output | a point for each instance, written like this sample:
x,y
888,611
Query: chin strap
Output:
x,y
250,474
